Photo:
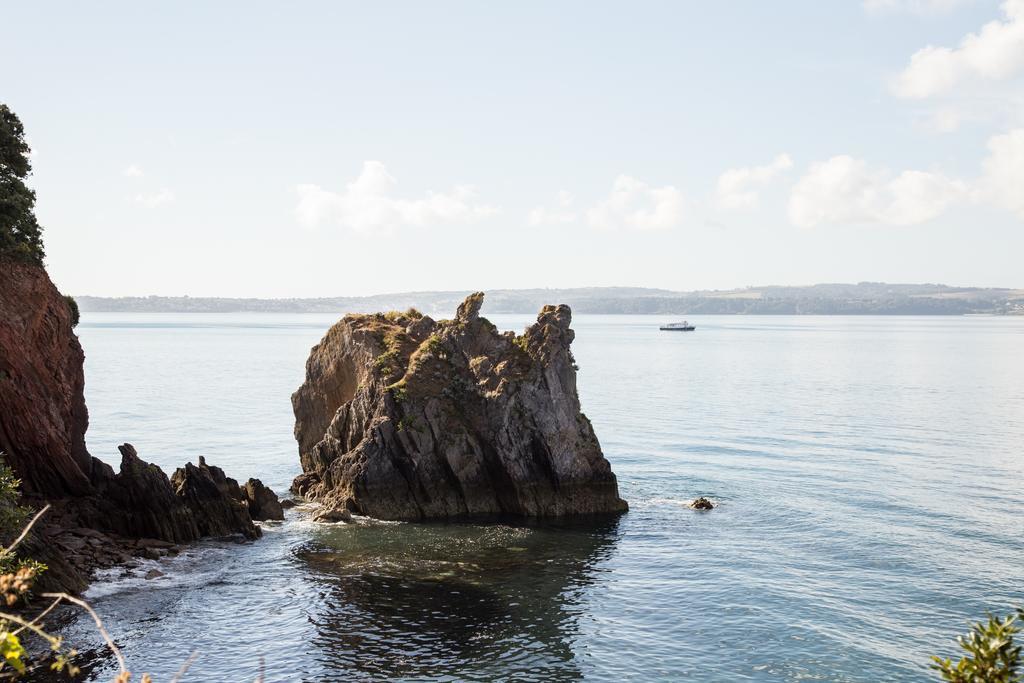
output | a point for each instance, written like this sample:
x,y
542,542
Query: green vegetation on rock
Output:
x,y
13,517
73,307
389,361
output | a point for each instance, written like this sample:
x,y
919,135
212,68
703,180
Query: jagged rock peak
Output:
x,y
469,309
402,417
140,501
219,506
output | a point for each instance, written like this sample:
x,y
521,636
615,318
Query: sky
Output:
x,y
310,149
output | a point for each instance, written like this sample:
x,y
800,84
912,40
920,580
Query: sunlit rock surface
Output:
x,y
403,417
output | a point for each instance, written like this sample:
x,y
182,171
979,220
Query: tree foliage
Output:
x,y
13,517
991,655
73,307
20,235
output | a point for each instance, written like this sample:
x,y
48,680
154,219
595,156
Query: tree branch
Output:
x,y
99,625
24,532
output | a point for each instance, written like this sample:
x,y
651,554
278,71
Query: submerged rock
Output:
x,y
262,501
702,503
332,514
402,417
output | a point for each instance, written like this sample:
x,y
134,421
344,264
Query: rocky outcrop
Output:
x,y
702,503
401,417
331,514
215,500
140,501
98,516
262,501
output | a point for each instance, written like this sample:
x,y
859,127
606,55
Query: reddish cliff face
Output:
x,y
43,417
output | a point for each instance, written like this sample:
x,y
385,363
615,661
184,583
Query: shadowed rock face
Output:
x,y
141,502
402,417
218,504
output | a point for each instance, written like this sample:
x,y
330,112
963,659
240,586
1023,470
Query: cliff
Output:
x,y
401,417
42,407
43,420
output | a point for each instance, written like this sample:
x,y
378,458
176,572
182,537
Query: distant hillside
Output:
x,y
865,298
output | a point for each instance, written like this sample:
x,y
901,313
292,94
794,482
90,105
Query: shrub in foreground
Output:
x,y
991,655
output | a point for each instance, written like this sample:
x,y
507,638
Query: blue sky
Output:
x,y
319,149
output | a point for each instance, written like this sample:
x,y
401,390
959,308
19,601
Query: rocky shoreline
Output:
x,y
98,517
400,418
144,515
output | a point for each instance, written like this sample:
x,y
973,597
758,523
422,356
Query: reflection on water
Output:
x,y
472,602
372,600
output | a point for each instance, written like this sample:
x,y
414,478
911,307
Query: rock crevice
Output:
x,y
404,417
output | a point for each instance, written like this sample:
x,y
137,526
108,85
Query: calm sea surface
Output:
x,y
869,470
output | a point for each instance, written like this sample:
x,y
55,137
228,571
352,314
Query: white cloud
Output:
x,y
367,204
738,187
635,205
846,191
132,171
990,104
152,200
560,214
914,6
944,120
1002,181
995,53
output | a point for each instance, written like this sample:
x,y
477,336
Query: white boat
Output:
x,y
678,327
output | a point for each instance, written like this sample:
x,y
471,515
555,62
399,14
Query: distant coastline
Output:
x,y
865,298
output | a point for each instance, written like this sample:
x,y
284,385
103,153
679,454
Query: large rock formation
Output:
x,y
43,420
402,417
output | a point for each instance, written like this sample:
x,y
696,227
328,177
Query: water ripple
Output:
x,y
867,471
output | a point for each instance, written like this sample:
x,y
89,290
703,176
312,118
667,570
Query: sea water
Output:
x,y
868,471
